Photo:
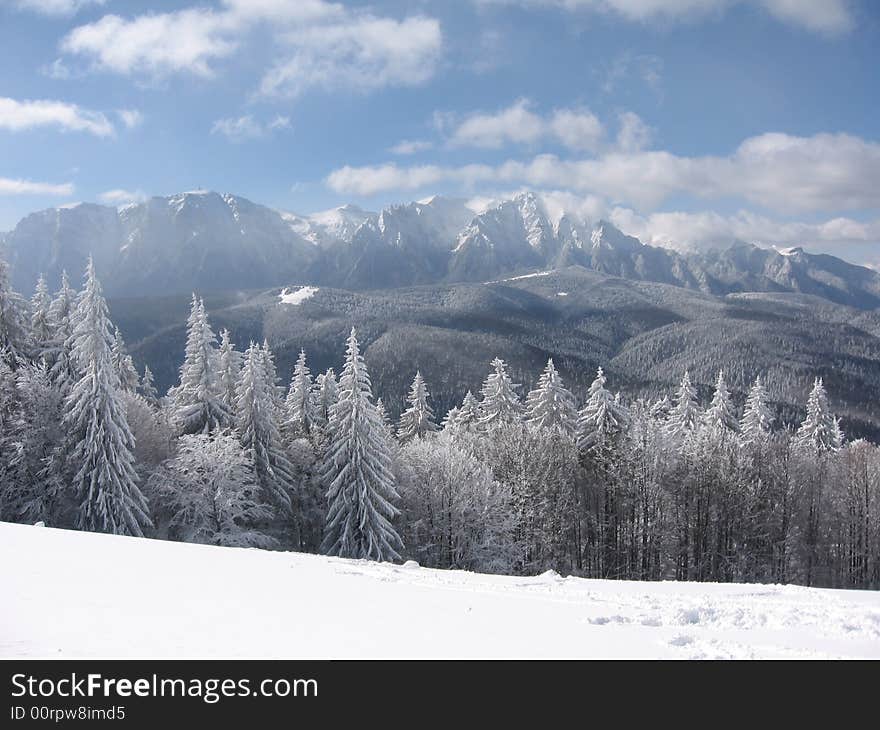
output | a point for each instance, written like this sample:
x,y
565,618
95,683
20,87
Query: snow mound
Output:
x,y
171,599
298,296
411,565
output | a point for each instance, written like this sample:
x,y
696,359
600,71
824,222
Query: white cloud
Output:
x,y
361,53
239,129
821,16
26,187
321,44
17,116
121,197
185,40
131,118
855,240
633,135
577,129
56,7
410,147
825,172
380,178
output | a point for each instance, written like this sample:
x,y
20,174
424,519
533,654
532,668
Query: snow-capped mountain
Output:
x,y
204,240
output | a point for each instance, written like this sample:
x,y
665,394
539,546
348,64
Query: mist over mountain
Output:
x,y
208,241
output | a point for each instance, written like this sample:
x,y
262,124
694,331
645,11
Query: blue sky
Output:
x,y
683,121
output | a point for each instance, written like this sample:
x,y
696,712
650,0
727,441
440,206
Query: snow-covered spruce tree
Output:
x,y
468,416
684,416
327,389
259,429
357,471
601,419
100,441
57,353
230,369
720,417
300,406
447,425
757,419
418,419
198,405
384,417
210,492
818,433
13,320
147,387
551,405
500,402
128,376
41,328
29,434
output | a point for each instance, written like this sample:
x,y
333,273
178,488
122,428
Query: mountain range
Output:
x,y
207,241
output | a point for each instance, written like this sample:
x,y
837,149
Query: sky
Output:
x,y
684,122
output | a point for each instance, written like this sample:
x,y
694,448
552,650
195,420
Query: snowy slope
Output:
x,y
68,594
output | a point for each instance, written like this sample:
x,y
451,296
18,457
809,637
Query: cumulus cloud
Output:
x,y
360,54
696,231
320,44
824,172
10,186
577,129
121,197
56,7
633,135
245,127
820,16
17,116
185,40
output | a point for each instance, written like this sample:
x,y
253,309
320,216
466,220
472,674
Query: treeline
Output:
x,y
651,489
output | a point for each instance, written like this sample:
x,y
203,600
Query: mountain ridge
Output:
x,y
202,240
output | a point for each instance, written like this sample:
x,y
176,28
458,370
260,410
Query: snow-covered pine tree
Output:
x,y
30,432
275,387
147,387
328,393
57,353
602,416
13,319
468,416
384,417
418,419
447,425
839,435
100,440
818,433
300,406
500,402
198,406
128,376
551,405
357,471
757,418
684,416
230,368
720,416
259,429
41,328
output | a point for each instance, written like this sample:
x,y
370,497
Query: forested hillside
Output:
x,y
513,478
644,335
